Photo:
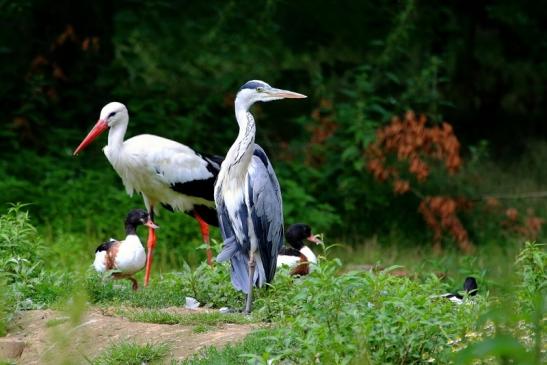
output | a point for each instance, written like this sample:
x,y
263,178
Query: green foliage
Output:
x,y
18,239
178,67
513,329
255,343
130,353
336,318
531,265
24,282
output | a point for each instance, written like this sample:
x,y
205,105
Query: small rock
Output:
x,y
191,303
11,348
225,310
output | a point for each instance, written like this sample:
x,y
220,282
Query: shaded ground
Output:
x,y
49,338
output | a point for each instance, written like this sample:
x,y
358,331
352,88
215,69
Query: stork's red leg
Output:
x,y
151,243
205,234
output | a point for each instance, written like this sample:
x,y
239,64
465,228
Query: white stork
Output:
x,y
164,171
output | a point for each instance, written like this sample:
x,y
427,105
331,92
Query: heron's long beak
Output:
x,y
315,239
285,94
151,224
99,128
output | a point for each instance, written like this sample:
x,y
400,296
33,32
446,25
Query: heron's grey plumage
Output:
x,y
263,206
248,198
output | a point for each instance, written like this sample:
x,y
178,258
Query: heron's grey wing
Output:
x,y
231,249
266,210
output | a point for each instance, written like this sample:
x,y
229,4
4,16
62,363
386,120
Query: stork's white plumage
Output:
x,y
164,171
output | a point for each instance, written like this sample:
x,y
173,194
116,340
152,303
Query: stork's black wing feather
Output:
x,y
201,188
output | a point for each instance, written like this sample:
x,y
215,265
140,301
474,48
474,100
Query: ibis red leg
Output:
x,y
205,234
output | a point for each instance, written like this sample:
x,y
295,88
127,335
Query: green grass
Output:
x,y
334,315
256,343
188,319
130,353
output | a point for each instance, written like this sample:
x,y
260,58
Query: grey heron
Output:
x,y
165,172
248,198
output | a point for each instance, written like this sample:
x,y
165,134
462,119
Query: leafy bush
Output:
x,y
380,318
512,329
25,283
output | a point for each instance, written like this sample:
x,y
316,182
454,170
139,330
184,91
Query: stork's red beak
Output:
x,y
99,128
315,239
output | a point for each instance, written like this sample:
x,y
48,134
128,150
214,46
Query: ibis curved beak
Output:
x,y
99,128
280,93
315,239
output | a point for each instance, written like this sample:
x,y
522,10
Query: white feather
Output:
x,y
100,261
308,253
287,260
131,256
150,165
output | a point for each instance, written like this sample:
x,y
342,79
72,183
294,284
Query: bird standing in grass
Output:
x,y
127,257
298,256
248,198
166,172
470,289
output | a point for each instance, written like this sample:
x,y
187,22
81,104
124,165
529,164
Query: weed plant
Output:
x,y
129,353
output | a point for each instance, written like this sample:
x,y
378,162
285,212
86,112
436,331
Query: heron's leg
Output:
x,y
205,234
135,285
252,265
151,243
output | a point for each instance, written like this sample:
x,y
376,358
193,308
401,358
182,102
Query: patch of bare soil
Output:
x,y
50,338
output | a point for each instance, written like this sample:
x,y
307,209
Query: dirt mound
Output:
x,y
49,337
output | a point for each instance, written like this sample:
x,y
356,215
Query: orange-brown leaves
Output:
x,y
527,226
401,186
439,213
410,140
410,147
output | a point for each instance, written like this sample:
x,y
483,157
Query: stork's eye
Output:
x,y
260,89
111,114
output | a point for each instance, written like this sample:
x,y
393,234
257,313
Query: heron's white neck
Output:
x,y
239,156
115,137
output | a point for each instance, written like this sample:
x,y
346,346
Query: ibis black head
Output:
x,y
297,233
135,218
470,285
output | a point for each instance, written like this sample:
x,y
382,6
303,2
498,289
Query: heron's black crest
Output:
x,y
253,85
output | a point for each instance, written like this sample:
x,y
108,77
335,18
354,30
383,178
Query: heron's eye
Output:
x,y
111,114
259,89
